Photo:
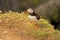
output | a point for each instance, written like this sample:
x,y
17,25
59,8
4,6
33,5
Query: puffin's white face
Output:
x,y
30,10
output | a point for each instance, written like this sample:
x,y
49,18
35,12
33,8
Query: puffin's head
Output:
x,y
30,11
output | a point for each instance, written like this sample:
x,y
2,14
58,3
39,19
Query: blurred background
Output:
x,y
18,5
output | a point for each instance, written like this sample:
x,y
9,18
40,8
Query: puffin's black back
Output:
x,y
34,14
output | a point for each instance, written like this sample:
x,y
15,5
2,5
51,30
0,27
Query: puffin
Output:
x,y
32,15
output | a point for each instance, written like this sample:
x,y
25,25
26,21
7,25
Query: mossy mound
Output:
x,y
14,24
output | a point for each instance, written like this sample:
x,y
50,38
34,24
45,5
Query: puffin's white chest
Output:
x,y
32,17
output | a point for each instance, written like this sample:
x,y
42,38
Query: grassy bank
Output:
x,y
17,26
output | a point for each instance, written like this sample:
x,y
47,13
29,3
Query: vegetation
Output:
x,y
18,26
